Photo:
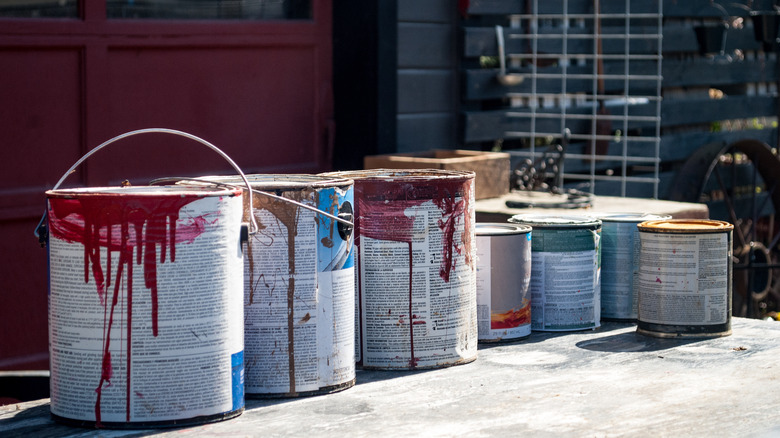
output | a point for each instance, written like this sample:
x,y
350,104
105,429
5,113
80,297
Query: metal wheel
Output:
x,y
740,183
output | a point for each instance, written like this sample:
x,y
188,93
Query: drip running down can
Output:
x,y
299,293
685,278
145,315
416,277
620,264
565,271
503,279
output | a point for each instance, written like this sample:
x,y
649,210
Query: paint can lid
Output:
x,y
404,175
630,217
172,190
686,226
555,221
499,229
286,182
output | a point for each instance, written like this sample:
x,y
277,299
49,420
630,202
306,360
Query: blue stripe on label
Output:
x,y
237,363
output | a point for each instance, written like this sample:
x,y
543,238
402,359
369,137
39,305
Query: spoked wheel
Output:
x,y
740,183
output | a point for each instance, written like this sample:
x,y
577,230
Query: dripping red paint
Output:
x,y
99,221
386,204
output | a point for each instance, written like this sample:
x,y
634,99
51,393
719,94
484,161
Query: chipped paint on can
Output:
x,y
685,278
503,279
299,287
145,314
565,271
620,264
416,278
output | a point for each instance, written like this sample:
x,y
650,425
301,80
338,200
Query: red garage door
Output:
x,y
251,76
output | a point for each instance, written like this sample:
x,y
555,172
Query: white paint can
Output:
x,y
503,280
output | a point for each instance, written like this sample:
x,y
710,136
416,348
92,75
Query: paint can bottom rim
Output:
x,y
322,391
504,340
421,368
193,421
684,331
615,319
580,329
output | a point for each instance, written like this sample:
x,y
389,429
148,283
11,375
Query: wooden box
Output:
x,y
491,168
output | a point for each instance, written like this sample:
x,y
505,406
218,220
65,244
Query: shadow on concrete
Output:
x,y
632,342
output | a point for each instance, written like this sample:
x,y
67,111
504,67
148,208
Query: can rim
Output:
x,y
281,181
171,190
403,175
631,217
500,229
686,226
555,221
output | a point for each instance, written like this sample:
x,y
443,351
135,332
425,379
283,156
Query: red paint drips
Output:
x,y
104,221
381,214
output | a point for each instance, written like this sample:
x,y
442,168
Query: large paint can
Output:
x,y
416,277
565,271
685,278
145,309
503,280
299,293
620,264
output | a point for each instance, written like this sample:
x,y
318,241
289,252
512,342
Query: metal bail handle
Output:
x,y
40,230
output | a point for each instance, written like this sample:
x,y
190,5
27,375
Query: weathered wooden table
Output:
x,y
605,382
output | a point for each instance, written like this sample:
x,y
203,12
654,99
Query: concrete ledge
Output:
x,y
605,382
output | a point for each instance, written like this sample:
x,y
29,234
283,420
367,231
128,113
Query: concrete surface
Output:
x,y
495,209
596,383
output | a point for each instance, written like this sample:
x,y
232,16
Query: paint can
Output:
x,y
620,264
416,276
565,271
503,279
685,278
299,293
145,314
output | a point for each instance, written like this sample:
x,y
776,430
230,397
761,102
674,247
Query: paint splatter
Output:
x,y
381,214
104,222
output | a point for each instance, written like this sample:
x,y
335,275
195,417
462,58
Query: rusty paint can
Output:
x,y
503,279
145,312
565,271
685,278
145,315
416,276
620,264
299,293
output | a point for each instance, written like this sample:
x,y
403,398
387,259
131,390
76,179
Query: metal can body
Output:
x,y
503,280
620,264
145,314
299,287
565,272
416,277
685,278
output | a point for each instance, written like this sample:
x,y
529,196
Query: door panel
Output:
x,y
259,90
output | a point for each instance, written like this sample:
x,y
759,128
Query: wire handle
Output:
x,y
253,224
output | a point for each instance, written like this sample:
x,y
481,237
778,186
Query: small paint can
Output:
x,y
145,315
503,279
416,277
299,293
565,271
685,278
620,264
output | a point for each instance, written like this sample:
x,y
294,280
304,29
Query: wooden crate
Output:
x,y
491,168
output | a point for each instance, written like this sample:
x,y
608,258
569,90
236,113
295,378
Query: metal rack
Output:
x,y
610,134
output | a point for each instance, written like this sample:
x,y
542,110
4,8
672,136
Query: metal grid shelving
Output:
x,y
631,110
